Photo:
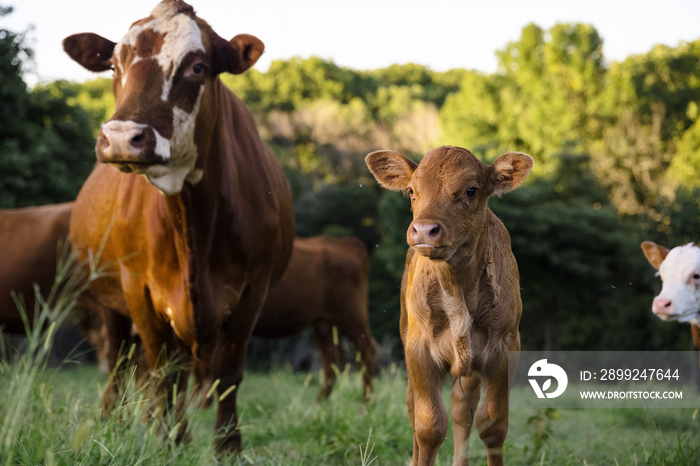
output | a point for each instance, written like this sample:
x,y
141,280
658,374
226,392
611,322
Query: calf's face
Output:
x,y
163,67
679,269
449,193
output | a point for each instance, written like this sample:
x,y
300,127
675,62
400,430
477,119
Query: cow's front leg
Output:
x,y
429,415
466,392
228,361
167,372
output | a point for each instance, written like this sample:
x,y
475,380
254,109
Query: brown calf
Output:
x,y
460,295
325,285
188,206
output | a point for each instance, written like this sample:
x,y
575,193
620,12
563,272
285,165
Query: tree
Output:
x,y
647,115
538,102
585,283
46,145
470,117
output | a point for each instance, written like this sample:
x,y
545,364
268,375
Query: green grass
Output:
x,y
282,425
53,417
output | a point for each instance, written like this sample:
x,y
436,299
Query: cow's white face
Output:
x,y
679,299
165,69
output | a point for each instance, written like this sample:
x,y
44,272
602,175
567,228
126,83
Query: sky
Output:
x,y
363,34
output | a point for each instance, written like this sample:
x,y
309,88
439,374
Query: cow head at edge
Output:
x,y
679,269
163,67
449,193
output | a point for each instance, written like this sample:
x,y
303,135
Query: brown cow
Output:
x,y
460,295
194,244
29,248
32,239
325,285
679,269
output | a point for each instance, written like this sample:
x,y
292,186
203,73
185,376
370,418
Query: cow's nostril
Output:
x,y
139,140
434,232
103,141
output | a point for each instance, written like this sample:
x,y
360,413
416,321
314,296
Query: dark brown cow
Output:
x,y
194,244
325,285
29,248
460,295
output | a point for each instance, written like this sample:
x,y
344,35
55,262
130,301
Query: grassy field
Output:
x,y
52,417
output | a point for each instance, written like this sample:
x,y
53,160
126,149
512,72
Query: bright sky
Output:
x,y
365,34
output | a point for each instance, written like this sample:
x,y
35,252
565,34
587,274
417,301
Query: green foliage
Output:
x,y
647,116
470,117
46,146
96,98
346,209
537,102
289,84
389,257
582,272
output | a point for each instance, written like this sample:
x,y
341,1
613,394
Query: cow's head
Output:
x,y
449,193
679,269
165,68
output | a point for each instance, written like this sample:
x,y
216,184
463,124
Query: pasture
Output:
x,y
52,417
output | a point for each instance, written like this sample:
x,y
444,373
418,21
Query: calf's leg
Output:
x,y
492,415
466,392
429,415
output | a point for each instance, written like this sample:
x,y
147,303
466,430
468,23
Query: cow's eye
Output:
x,y
471,192
409,192
696,276
198,69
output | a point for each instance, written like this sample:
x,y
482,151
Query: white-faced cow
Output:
x,y
194,243
679,269
460,295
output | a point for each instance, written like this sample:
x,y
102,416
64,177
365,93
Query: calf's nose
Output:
x,y
425,232
662,307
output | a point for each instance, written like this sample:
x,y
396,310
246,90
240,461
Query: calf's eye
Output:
x,y
198,69
471,192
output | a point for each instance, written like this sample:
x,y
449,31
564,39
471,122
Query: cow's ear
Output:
x,y
654,253
90,50
509,170
237,55
391,169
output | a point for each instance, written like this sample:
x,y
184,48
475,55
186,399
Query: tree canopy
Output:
x,y
617,150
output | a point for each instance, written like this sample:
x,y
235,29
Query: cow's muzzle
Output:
x,y
427,237
130,146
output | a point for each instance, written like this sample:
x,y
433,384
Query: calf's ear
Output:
x,y
91,51
391,169
509,170
237,55
654,253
